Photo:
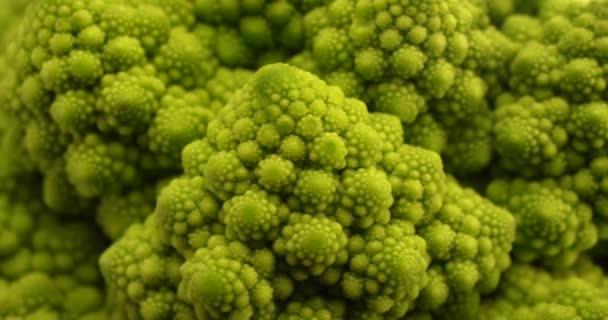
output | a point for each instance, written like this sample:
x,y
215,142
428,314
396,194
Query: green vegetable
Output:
x,y
303,159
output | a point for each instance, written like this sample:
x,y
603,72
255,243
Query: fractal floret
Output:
x,y
293,174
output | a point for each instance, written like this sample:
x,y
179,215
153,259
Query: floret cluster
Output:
x,y
303,159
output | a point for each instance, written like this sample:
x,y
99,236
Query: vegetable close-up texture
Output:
x,y
303,159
